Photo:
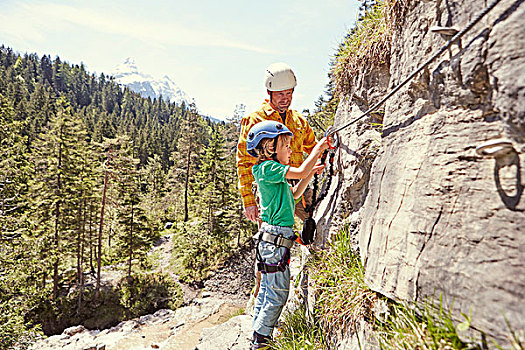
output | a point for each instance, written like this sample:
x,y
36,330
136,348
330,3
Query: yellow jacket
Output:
x,y
303,140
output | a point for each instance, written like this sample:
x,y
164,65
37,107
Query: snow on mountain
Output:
x,y
128,74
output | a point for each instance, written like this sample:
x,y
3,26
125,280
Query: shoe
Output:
x,y
260,341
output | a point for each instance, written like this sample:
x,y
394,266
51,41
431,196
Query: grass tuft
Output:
x,y
342,295
425,326
300,332
368,43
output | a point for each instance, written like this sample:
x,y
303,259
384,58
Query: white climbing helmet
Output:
x,y
279,76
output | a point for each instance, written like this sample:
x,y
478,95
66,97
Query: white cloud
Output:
x,y
33,20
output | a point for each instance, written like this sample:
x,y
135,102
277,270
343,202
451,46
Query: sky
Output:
x,y
215,51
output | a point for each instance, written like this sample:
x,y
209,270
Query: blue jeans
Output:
x,y
275,286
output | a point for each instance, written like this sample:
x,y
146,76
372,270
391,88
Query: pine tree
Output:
x,y
133,234
154,200
189,146
85,187
55,194
14,172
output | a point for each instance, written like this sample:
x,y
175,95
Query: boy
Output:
x,y
269,141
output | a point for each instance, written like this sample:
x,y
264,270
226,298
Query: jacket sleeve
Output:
x,y
245,162
309,141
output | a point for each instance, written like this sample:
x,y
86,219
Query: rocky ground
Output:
x,y
212,317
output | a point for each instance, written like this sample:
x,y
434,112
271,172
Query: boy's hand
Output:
x,y
323,144
318,168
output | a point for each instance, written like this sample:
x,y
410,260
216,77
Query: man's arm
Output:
x,y
245,163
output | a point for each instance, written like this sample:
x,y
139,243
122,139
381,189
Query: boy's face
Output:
x,y
283,151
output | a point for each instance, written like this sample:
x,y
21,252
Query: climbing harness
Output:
x,y
309,226
277,240
272,268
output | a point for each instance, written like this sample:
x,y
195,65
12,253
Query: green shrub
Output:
x,y
424,326
136,296
198,252
368,43
94,312
14,329
146,293
342,295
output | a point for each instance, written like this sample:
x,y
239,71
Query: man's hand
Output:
x,y
252,213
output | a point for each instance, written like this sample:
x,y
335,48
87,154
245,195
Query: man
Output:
x,y
280,83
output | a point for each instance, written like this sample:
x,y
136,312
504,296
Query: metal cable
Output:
x,y
420,68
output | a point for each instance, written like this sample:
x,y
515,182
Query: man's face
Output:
x,y
281,100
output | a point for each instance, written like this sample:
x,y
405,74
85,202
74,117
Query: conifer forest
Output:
x,y
90,174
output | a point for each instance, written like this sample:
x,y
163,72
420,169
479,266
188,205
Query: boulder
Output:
x,y
235,334
71,331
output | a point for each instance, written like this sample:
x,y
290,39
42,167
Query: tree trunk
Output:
x,y
57,221
80,257
2,207
99,253
55,263
186,182
92,269
130,242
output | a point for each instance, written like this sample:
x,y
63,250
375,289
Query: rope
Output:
x,y
420,68
316,200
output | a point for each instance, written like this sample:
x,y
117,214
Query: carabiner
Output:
x,y
332,137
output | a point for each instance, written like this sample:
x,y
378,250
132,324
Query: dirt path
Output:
x,y
224,296
230,285
163,249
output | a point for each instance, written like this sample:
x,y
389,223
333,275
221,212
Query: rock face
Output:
x,y
433,217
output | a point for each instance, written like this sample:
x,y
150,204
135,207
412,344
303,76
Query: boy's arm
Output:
x,y
300,187
307,166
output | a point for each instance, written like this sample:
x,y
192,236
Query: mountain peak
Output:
x,y
127,67
128,74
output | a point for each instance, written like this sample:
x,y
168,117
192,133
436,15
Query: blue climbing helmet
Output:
x,y
268,129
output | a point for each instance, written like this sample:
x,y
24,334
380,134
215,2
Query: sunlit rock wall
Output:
x,y
431,216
